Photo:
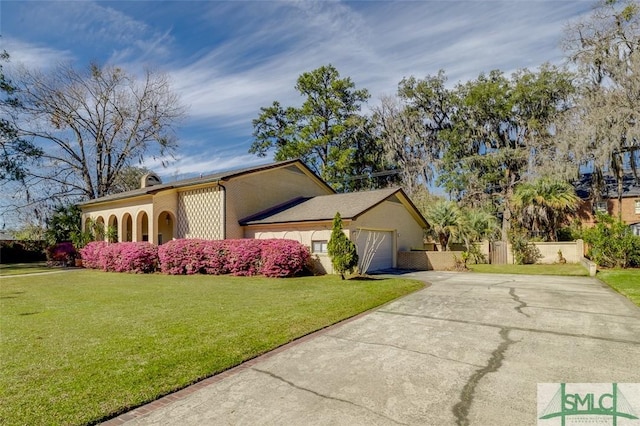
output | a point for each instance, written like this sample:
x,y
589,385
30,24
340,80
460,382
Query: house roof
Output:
x,y
630,187
324,207
212,178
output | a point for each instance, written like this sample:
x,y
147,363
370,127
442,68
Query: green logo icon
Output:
x,y
587,400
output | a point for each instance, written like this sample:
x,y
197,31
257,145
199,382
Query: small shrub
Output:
x,y
215,258
284,258
62,253
343,252
140,257
182,257
91,254
241,257
244,257
524,252
612,243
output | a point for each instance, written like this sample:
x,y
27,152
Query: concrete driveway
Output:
x,y
469,349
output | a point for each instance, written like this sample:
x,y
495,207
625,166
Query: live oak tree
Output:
x,y
128,178
93,124
16,152
602,130
501,132
327,131
401,133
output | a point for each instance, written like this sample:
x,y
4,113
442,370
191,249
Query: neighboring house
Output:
x,y
607,201
279,200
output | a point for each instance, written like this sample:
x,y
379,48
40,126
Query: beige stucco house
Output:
x,y
278,200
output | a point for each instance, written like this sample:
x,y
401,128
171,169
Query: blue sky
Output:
x,y
226,59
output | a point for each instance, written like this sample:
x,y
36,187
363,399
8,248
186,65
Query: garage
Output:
x,y
375,249
381,223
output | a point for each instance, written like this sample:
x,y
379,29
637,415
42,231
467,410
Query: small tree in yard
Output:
x,y
342,251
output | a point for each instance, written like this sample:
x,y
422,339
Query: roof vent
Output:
x,y
150,179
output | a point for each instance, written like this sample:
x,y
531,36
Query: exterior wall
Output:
x,y
572,251
155,206
250,194
387,216
304,234
200,213
120,209
628,209
428,260
163,203
585,210
392,216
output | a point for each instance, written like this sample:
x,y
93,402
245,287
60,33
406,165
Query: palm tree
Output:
x,y
446,220
544,204
478,225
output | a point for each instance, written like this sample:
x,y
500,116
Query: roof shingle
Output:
x,y
321,208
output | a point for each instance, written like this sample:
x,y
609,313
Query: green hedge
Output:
x,y
22,251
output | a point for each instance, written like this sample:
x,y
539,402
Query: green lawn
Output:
x,y
24,268
566,269
79,347
624,281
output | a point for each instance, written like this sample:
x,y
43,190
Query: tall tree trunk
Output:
x,y
620,189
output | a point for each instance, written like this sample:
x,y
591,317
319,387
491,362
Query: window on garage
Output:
x,y
319,246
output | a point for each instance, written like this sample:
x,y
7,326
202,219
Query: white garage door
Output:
x,y
375,249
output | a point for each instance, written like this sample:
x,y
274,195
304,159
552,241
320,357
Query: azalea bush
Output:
x,y
90,254
284,258
61,253
242,257
141,257
186,257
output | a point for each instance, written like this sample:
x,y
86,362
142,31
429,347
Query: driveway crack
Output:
x,y
461,409
522,304
499,283
293,385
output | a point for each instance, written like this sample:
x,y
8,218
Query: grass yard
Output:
x,y
81,346
624,281
566,269
24,268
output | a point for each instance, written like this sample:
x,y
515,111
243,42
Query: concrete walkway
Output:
x,y
470,349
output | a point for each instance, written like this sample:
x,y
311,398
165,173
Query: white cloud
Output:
x,y
33,55
201,164
375,43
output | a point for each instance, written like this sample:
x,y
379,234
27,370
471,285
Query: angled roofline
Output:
x,y
398,192
220,177
407,203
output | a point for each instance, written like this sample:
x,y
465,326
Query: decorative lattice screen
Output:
x,y
200,214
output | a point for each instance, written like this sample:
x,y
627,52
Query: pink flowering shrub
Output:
x,y
216,254
62,253
242,257
180,257
283,258
141,257
90,254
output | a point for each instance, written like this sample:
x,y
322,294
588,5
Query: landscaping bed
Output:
x,y
80,347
